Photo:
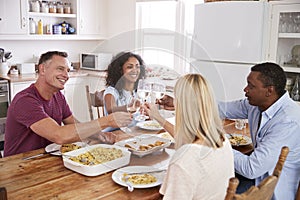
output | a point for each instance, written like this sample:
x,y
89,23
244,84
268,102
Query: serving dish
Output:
x,y
151,125
53,147
238,139
118,176
145,144
95,169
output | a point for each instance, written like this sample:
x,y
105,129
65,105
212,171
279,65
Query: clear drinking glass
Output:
x,y
240,124
143,92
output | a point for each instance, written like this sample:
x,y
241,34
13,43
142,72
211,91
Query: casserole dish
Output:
x,y
95,169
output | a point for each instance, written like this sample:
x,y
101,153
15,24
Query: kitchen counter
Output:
x,y
32,77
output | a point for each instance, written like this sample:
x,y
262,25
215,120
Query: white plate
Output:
x,y
118,175
248,139
150,125
144,140
167,136
54,146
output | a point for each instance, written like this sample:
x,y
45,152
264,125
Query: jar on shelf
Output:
x,y
67,8
59,7
45,7
32,26
35,6
52,7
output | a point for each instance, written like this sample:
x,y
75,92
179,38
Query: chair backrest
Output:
x,y
265,190
95,100
3,193
298,192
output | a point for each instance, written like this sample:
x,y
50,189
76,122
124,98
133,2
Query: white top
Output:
x,y
120,100
198,172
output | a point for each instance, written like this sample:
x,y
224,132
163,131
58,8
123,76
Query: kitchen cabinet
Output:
x,y
16,87
91,17
76,97
13,18
284,33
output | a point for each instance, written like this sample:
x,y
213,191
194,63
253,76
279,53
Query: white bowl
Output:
x,y
95,170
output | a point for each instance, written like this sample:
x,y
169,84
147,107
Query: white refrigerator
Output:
x,y
229,38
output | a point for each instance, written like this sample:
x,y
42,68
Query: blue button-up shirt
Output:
x,y
280,126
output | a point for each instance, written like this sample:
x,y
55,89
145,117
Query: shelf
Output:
x,y
36,14
289,35
52,37
289,68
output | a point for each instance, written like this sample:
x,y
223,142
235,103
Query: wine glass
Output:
x,y
143,92
159,90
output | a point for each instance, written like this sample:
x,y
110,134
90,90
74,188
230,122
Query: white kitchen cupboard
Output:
x,y
16,87
75,95
282,40
91,17
13,17
87,17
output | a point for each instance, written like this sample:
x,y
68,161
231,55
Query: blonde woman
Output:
x,y
203,161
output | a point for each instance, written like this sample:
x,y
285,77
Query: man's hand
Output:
x,y
107,137
119,119
166,102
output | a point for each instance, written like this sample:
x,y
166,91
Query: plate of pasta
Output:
x,y
238,139
151,125
138,176
63,148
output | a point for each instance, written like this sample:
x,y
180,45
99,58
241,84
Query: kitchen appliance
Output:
x,y
95,61
229,38
26,68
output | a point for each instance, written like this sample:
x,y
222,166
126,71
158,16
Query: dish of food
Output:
x,y
96,159
138,176
238,139
64,148
150,125
144,144
166,135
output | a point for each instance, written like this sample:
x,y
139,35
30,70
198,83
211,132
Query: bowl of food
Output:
x,y
97,159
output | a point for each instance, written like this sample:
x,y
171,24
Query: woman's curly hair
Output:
x,y
115,70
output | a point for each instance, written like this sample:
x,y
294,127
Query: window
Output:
x,y
164,28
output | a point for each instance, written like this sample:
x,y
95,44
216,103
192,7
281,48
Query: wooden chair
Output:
x,y
298,192
265,190
3,193
95,100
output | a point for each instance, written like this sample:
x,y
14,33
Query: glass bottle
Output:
x,y
40,27
295,94
32,26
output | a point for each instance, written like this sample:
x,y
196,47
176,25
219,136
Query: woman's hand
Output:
x,y
152,111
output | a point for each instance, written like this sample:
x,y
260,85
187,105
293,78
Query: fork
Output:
x,y
129,185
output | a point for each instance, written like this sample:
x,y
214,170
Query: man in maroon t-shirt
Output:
x,y
36,114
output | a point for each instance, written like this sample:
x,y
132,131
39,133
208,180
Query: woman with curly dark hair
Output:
x,y
123,75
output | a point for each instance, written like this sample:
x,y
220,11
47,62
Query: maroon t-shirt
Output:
x,y
27,108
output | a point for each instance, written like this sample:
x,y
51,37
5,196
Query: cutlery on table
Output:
x,y
41,154
146,172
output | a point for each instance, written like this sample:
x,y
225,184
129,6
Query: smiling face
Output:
x,y
255,90
131,70
55,72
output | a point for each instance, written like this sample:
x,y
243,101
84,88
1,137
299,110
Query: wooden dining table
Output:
x,y
46,177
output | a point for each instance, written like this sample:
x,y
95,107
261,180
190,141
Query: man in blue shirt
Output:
x,y
274,122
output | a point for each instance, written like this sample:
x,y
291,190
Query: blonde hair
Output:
x,y
197,114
